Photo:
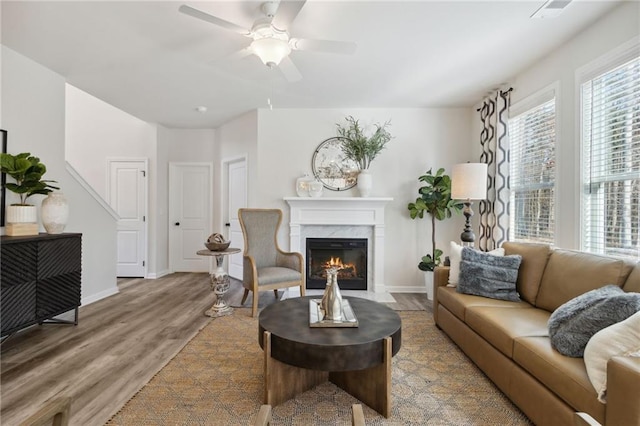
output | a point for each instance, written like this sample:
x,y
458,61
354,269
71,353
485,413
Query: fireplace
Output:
x,y
349,255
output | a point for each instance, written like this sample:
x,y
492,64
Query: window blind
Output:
x,y
611,162
532,139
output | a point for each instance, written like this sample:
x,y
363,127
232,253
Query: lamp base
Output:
x,y
467,237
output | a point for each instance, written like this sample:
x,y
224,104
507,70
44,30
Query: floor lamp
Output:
x,y
468,182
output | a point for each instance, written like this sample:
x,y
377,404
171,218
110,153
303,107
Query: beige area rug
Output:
x,y
217,380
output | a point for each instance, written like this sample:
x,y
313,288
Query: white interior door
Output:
x,y
189,215
128,197
237,198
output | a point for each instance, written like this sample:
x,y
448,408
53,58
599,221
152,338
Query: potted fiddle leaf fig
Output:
x,y
27,171
435,200
363,148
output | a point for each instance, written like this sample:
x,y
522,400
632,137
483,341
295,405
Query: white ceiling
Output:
x,y
148,59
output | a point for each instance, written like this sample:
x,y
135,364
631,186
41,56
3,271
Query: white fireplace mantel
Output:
x,y
342,211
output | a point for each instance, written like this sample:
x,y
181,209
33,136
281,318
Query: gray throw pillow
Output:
x,y
483,274
575,322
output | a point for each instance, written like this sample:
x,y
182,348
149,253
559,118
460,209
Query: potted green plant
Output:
x,y
27,171
362,148
435,200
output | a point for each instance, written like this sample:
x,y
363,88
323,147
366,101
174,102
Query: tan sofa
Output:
x,y
509,341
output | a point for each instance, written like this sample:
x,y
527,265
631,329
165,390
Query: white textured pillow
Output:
x,y
456,256
454,267
619,339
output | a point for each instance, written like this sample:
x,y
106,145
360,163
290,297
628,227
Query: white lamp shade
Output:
x,y
469,181
270,50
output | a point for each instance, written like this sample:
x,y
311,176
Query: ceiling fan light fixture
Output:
x,y
270,50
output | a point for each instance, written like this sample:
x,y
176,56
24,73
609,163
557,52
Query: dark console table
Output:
x,y
41,277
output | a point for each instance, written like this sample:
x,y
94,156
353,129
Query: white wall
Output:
x,y
185,145
423,139
237,138
159,261
33,112
614,29
97,131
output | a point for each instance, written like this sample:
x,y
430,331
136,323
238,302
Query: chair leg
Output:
x,y
254,307
302,290
276,293
244,296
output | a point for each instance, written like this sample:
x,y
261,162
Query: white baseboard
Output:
x,y
99,296
407,289
156,275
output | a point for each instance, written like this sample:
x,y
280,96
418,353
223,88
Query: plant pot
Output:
x,y
428,282
365,183
21,220
54,212
22,214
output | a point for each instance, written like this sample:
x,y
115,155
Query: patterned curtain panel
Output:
x,y
494,138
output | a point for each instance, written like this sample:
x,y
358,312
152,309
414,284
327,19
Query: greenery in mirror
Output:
x,y
27,171
435,199
361,148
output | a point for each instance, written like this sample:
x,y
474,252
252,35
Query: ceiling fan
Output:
x,y
271,40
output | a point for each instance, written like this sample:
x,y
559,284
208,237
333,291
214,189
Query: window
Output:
x,y
611,161
532,170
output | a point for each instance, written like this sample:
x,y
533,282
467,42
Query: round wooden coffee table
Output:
x,y
299,357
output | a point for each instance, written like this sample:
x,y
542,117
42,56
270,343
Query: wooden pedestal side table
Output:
x,y
298,357
219,282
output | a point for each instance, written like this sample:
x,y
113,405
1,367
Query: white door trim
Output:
x,y
172,166
224,178
145,160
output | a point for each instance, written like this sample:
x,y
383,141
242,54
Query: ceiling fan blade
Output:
x,y
188,10
289,69
286,13
330,46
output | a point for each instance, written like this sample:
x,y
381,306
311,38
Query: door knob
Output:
x,y
177,223
227,224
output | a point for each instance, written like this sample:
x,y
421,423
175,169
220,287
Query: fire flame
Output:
x,y
336,262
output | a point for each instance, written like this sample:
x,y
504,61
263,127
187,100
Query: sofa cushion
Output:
x,y
565,376
633,280
458,303
575,322
500,326
456,257
534,260
483,274
571,273
622,339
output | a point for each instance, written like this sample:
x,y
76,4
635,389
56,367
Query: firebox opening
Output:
x,y
348,255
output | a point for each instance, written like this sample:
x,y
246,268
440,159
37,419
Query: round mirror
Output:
x,y
330,166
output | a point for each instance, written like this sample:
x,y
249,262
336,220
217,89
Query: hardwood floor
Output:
x,y
119,343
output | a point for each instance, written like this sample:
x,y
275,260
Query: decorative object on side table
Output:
x,y
55,213
363,149
216,242
219,248
435,199
27,171
469,182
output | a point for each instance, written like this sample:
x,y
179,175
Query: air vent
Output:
x,y
551,9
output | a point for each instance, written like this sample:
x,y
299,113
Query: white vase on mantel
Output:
x,y
54,212
365,183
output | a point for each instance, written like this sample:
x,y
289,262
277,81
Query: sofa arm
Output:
x,y
623,391
440,279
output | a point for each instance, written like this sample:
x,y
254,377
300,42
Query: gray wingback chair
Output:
x,y
265,265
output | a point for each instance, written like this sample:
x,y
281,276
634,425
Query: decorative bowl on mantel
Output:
x,y
216,242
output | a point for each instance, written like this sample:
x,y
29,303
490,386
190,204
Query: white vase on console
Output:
x,y
365,183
